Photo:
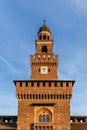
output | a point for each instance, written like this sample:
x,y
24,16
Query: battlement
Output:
x,y
44,90
39,59
43,83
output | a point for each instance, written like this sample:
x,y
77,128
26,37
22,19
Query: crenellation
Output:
x,y
44,83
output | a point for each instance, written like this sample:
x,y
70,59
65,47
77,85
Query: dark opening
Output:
x,y
49,70
48,37
44,37
32,84
40,37
26,84
20,84
55,84
39,70
44,49
61,84
67,84
49,84
44,84
38,84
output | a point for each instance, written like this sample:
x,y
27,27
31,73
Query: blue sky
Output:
x,y
19,24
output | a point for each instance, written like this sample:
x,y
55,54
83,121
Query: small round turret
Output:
x,y
44,32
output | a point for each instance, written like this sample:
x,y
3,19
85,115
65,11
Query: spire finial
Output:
x,y
44,22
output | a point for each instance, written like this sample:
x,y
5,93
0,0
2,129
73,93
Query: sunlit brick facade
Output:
x,y
44,101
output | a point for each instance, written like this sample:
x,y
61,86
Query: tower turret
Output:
x,y
44,63
44,32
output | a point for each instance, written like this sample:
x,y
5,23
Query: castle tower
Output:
x,y
44,101
44,63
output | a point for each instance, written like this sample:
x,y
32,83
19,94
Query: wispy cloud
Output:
x,y
5,61
10,66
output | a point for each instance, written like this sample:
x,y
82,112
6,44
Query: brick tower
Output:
x,y
44,101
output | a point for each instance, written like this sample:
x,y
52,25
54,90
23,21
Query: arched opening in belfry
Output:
x,y
44,37
40,37
44,49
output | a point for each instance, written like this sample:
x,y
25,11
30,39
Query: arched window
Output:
x,y
40,118
47,118
43,115
44,118
44,49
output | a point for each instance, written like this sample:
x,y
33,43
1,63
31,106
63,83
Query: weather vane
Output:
x,y
44,21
